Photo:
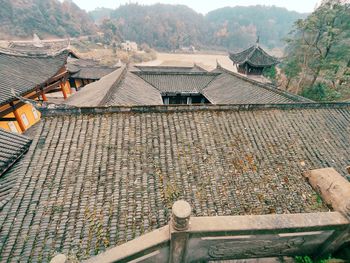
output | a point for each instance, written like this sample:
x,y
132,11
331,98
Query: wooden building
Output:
x,y
253,60
86,71
140,86
30,76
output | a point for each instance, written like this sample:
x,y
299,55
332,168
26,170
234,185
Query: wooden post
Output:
x,y
181,212
68,85
43,95
65,96
18,118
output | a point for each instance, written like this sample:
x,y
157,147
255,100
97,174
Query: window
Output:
x,y
25,120
12,126
35,113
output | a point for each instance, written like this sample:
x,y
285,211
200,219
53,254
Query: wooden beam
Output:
x,y
15,106
18,118
43,96
65,96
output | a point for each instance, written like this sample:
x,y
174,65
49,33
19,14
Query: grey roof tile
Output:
x,y
12,148
95,180
231,88
94,93
170,69
178,82
23,73
88,69
133,90
254,56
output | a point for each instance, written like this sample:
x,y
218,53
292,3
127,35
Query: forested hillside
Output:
x,y
169,26
23,18
161,26
318,53
235,27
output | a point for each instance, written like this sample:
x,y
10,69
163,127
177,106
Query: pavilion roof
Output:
x,y
254,56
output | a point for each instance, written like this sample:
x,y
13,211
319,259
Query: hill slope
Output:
x,y
170,26
234,27
23,18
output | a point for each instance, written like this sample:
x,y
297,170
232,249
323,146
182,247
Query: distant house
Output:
x,y
253,60
30,76
189,49
129,46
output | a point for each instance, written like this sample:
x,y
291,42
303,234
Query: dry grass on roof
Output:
x,y
94,181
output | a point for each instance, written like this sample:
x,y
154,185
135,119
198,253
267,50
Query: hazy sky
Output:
x,y
204,6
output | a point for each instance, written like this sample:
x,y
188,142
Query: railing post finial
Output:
x,y
181,212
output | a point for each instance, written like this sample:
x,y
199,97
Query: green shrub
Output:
x,y
320,92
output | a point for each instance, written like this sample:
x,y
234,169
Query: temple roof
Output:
x,y
232,88
178,82
22,73
254,56
94,93
194,68
12,148
40,46
88,69
219,87
96,179
133,90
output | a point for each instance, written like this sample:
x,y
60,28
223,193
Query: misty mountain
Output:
x,y
234,27
100,14
23,18
171,26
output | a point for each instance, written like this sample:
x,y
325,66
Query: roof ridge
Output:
x,y
59,111
23,53
286,94
115,86
208,73
206,86
251,53
138,75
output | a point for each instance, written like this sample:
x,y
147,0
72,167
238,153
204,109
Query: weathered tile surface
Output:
x,y
94,181
23,73
12,147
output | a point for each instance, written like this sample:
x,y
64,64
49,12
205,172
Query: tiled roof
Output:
x,y
88,69
23,73
93,73
178,82
146,88
133,90
38,48
12,147
95,93
231,88
254,56
194,68
99,179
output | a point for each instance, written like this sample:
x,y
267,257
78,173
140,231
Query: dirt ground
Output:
x,y
207,61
